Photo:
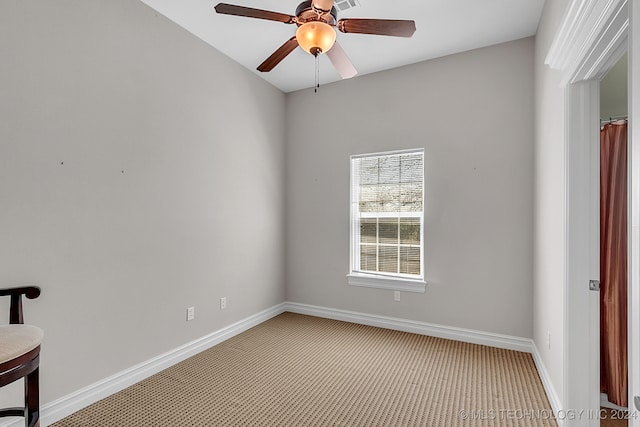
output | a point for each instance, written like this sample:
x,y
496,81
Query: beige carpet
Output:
x,y
296,370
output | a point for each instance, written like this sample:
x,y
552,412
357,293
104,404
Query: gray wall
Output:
x,y
614,89
141,172
550,175
473,114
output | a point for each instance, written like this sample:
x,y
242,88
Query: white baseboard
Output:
x,y
423,328
604,402
65,406
552,394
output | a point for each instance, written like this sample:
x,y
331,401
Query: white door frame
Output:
x,y
581,362
593,36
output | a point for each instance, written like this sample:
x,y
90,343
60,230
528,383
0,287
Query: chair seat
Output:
x,y
17,340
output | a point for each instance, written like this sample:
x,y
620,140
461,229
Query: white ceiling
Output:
x,y
443,27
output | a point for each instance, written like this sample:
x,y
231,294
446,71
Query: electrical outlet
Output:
x,y
549,339
396,295
191,313
223,303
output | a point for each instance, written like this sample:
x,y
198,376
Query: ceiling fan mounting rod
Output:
x,y
322,6
308,12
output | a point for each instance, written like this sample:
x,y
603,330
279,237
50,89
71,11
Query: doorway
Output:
x,y
613,226
591,39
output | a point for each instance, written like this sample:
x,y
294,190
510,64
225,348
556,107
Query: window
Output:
x,y
387,193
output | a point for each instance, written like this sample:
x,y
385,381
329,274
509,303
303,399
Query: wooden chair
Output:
x,y
20,356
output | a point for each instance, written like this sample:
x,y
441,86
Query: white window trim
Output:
x,y
395,282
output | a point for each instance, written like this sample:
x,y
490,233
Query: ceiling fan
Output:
x,y
316,20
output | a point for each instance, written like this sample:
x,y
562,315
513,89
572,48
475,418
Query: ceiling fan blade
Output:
x,y
382,27
278,55
231,9
341,61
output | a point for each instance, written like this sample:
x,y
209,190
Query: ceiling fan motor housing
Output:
x,y
305,12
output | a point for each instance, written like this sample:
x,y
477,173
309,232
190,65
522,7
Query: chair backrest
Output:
x,y
15,309
20,356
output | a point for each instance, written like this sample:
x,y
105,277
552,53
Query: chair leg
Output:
x,y
32,399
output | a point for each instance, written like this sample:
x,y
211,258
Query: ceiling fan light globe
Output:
x,y
314,36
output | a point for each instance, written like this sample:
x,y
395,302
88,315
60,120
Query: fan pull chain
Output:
x,y
317,85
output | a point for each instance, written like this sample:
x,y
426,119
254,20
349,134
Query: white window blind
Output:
x,y
387,196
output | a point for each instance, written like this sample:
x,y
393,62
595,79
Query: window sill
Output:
x,y
392,283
